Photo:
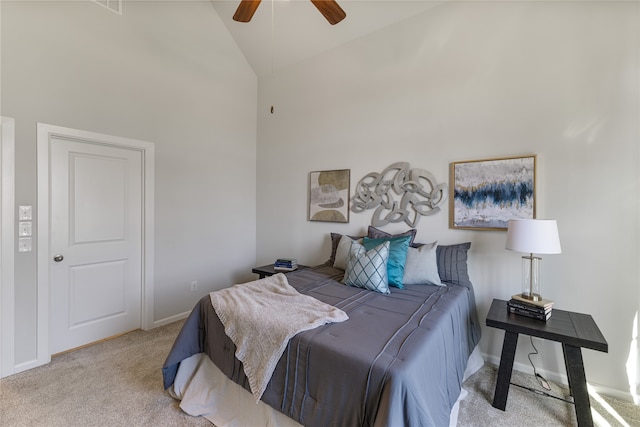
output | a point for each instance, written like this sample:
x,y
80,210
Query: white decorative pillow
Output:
x,y
368,269
342,252
421,267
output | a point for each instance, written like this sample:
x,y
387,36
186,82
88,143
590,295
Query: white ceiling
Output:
x,y
283,32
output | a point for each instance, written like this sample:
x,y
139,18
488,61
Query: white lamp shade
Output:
x,y
534,236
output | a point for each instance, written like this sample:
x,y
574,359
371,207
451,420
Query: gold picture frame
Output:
x,y
329,194
486,194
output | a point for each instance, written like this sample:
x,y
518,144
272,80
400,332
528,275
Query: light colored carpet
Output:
x,y
119,383
113,383
526,408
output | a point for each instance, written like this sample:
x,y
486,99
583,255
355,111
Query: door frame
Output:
x,y
7,249
147,149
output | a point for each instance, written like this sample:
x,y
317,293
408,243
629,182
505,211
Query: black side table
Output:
x,y
573,330
268,270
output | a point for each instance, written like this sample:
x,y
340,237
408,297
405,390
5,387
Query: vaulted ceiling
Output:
x,y
283,32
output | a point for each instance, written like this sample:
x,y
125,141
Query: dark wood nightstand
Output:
x,y
268,270
573,330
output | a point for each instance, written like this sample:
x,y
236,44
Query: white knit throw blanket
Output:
x,y
261,316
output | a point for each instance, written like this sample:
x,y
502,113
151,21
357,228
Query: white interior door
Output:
x,y
95,255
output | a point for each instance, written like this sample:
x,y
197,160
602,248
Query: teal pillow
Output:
x,y
397,256
368,269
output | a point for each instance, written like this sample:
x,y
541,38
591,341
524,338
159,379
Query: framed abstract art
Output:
x,y
329,195
486,194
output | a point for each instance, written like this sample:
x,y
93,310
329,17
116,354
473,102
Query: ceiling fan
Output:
x,y
329,9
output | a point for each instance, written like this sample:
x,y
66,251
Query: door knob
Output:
x,y
58,258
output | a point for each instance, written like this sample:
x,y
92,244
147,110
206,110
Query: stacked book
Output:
x,y
285,264
540,310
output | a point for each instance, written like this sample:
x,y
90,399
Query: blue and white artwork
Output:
x,y
488,193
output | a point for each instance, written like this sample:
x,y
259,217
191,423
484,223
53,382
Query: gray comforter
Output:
x,y
398,361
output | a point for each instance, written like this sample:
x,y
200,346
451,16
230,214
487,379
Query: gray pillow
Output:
x,y
452,264
421,267
375,233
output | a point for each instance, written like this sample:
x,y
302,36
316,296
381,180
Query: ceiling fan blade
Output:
x,y
330,10
245,10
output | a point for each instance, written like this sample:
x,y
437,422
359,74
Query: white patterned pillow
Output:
x,y
368,269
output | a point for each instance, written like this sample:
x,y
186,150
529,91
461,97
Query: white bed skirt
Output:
x,y
205,391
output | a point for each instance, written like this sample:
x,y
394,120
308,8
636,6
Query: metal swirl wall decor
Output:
x,y
399,194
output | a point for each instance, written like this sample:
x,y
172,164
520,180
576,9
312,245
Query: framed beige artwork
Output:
x,y
329,195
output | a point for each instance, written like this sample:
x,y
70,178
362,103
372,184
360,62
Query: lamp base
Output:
x,y
531,278
531,297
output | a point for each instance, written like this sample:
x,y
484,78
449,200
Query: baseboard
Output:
x,y
561,378
171,319
25,366
611,392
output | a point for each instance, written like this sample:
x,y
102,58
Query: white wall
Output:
x,y
163,72
475,80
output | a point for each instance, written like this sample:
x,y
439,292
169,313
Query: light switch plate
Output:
x,y
24,244
24,228
24,213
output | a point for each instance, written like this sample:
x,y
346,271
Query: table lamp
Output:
x,y
532,236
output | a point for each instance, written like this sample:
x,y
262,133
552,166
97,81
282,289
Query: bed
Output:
x,y
399,359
